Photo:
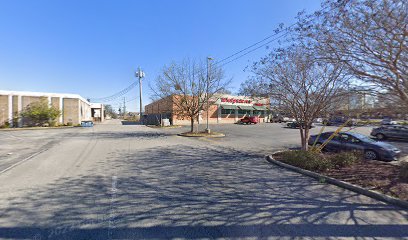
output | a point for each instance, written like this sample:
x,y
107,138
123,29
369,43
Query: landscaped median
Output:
x,y
382,181
164,127
202,134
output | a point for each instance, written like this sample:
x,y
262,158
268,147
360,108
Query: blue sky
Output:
x,y
93,47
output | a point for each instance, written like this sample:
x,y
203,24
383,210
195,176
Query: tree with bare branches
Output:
x,y
369,37
186,84
302,85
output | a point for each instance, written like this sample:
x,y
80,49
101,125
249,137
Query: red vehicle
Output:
x,y
250,120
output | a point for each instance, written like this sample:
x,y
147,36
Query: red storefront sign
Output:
x,y
235,100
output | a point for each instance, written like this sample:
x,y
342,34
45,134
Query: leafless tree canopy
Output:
x,y
186,84
370,37
301,85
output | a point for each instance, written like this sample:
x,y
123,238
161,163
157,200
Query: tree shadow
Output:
x,y
195,192
138,135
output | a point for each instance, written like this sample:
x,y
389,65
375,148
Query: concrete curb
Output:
x,y
376,195
159,127
210,136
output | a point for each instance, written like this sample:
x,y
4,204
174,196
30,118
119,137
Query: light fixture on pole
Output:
x,y
140,74
207,130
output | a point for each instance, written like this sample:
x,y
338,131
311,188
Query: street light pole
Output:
x,y
208,83
140,74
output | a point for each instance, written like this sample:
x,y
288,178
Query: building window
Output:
x,y
259,112
227,111
244,112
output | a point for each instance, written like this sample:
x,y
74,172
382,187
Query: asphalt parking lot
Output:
x,y
134,182
265,138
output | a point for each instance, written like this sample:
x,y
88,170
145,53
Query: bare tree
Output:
x,y
186,83
369,37
302,86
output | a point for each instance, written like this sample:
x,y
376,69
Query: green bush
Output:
x,y
40,113
403,174
307,160
344,159
314,161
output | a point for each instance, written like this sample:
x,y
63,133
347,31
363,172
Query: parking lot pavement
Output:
x,y
17,145
135,182
265,138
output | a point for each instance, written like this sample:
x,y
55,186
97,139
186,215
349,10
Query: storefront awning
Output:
x,y
246,107
229,107
263,108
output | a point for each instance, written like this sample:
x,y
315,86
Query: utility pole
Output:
x,y
208,83
140,74
124,107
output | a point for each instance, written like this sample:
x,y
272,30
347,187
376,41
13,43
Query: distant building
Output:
x,y
97,112
73,107
223,109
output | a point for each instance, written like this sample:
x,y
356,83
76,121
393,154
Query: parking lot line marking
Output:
x,y
12,136
22,161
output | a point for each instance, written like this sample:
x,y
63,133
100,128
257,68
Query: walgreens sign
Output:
x,y
235,100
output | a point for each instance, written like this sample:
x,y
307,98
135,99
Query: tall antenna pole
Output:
x,y
140,74
140,93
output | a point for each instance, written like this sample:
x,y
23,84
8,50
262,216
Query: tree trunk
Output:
x,y
306,138
192,124
303,137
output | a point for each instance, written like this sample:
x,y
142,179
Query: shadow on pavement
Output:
x,y
195,192
131,123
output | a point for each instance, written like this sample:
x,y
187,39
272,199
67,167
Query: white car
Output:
x,y
388,121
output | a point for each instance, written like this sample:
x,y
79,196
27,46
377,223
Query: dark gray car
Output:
x,y
345,141
391,131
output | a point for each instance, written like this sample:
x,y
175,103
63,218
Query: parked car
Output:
x,y
390,131
346,141
296,124
388,121
319,120
280,119
250,120
338,121
276,118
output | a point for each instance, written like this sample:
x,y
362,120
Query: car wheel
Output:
x,y
370,155
380,136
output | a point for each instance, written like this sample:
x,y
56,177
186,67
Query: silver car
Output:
x,y
390,131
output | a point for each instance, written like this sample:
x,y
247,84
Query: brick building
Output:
x,y
73,107
223,109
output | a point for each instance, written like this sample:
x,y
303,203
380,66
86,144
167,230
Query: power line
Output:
x,y
242,55
116,95
250,49
286,30
252,45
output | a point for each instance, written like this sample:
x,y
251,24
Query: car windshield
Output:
x,y
363,137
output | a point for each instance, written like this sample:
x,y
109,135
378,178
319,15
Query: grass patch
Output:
x,y
201,134
344,159
320,162
307,160
166,127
